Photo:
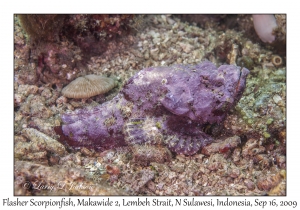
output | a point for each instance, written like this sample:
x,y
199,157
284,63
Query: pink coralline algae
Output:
x,y
159,105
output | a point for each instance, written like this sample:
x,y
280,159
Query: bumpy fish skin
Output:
x,y
168,105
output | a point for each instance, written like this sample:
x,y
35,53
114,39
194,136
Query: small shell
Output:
x,y
88,86
276,60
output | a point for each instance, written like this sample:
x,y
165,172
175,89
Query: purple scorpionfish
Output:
x,y
159,105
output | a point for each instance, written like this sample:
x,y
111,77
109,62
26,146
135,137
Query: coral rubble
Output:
x,y
247,154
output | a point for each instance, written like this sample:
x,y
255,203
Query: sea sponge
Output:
x,y
88,86
42,27
264,26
